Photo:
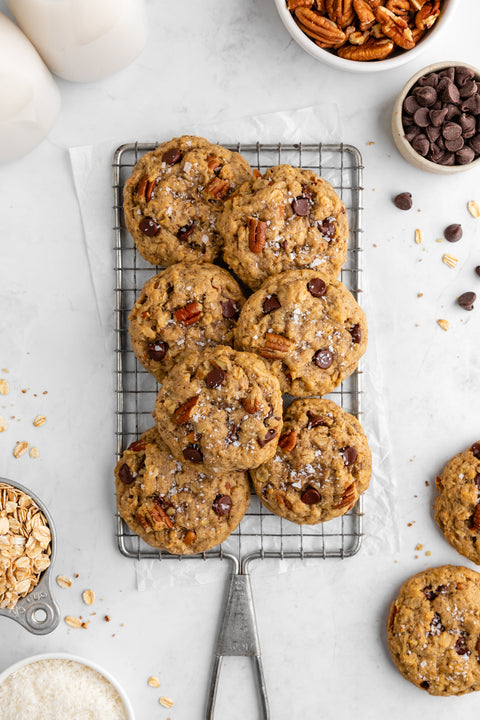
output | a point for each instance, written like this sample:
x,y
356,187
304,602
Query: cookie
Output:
x,y
186,307
288,219
173,198
433,630
457,507
220,410
310,330
322,464
175,506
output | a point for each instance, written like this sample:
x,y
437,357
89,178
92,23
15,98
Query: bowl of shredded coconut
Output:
x,y
61,687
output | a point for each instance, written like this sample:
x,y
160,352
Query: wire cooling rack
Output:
x,y
260,534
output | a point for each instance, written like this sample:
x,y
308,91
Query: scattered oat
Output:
x,y
419,546
474,208
166,701
73,622
439,240
444,324
40,420
428,553
4,387
3,423
371,142
450,260
64,581
5,370
34,453
88,597
418,236
20,448
153,682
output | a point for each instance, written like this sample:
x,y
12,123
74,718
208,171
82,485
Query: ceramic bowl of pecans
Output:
x,y
365,35
436,118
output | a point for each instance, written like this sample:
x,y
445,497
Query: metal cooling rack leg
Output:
x,y
238,636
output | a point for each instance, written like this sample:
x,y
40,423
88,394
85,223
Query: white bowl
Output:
x,y
398,131
328,57
81,661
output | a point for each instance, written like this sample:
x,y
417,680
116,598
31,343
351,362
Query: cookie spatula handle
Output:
x,y
238,636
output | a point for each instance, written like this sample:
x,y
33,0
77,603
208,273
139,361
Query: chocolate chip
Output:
x,y
349,455
447,73
268,437
156,350
300,206
410,105
425,95
172,156
421,144
422,117
125,474
270,304
442,84
451,131
476,450
412,133
433,133
315,420
438,116
448,158
215,378
454,145
326,228
477,270
403,201
193,454
316,287
429,592
232,435
229,309
305,192
436,627
463,75
356,333
461,646
468,125
475,143
466,300
323,359
468,89
425,684
435,153
149,226
451,94
310,496
472,104
430,79
465,156
452,111
222,505
442,589
185,231
453,233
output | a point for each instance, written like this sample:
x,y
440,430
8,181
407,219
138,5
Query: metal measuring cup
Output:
x,y
37,612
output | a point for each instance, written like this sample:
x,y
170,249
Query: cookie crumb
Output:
x,y
107,618
427,484
419,546
444,324
419,294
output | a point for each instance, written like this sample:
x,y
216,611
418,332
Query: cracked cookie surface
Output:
x,y
287,219
311,331
175,506
220,410
186,307
433,630
174,196
322,464
457,506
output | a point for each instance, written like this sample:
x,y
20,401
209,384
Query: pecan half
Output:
x,y
371,50
340,12
364,13
276,346
183,413
252,404
257,230
288,440
145,188
399,7
158,513
395,27
427,15
319,28
217,188
189,314
348,497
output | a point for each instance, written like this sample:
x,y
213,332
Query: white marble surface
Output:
x,y
321,627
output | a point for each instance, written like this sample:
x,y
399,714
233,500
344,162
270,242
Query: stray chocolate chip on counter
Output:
x,y
403,201
453,233
466,300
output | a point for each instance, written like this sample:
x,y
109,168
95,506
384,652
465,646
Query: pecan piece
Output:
x,y
158,513
371,50
349,496
189,538
340,12
189,314
217,188
427,15
276,346
146,187
213,162
143,522
319,28
394,27
257,230
288,440
399,7
417,4
252,404
393,614
256,173
294,4
364,13
475,519
183,413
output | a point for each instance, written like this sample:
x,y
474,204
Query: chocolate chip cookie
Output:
x,y
220,410
175,506
322,464
309,329
186,307
457,507
433,630
173,198
289,218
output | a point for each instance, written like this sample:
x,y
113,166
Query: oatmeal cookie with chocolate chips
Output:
x,y
220,410
289,218
176,506
309,329
433,630
457,507
322,464
185,308
174,196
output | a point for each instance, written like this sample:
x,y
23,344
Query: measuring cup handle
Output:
x,y
238,636
38,612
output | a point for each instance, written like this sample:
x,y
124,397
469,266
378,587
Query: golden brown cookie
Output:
x,y
174,195
220,410
322,464
290,218
457,507
175,506
433,630
311,331
186,307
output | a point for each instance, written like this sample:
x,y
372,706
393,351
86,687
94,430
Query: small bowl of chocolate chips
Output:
x,y
436,118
